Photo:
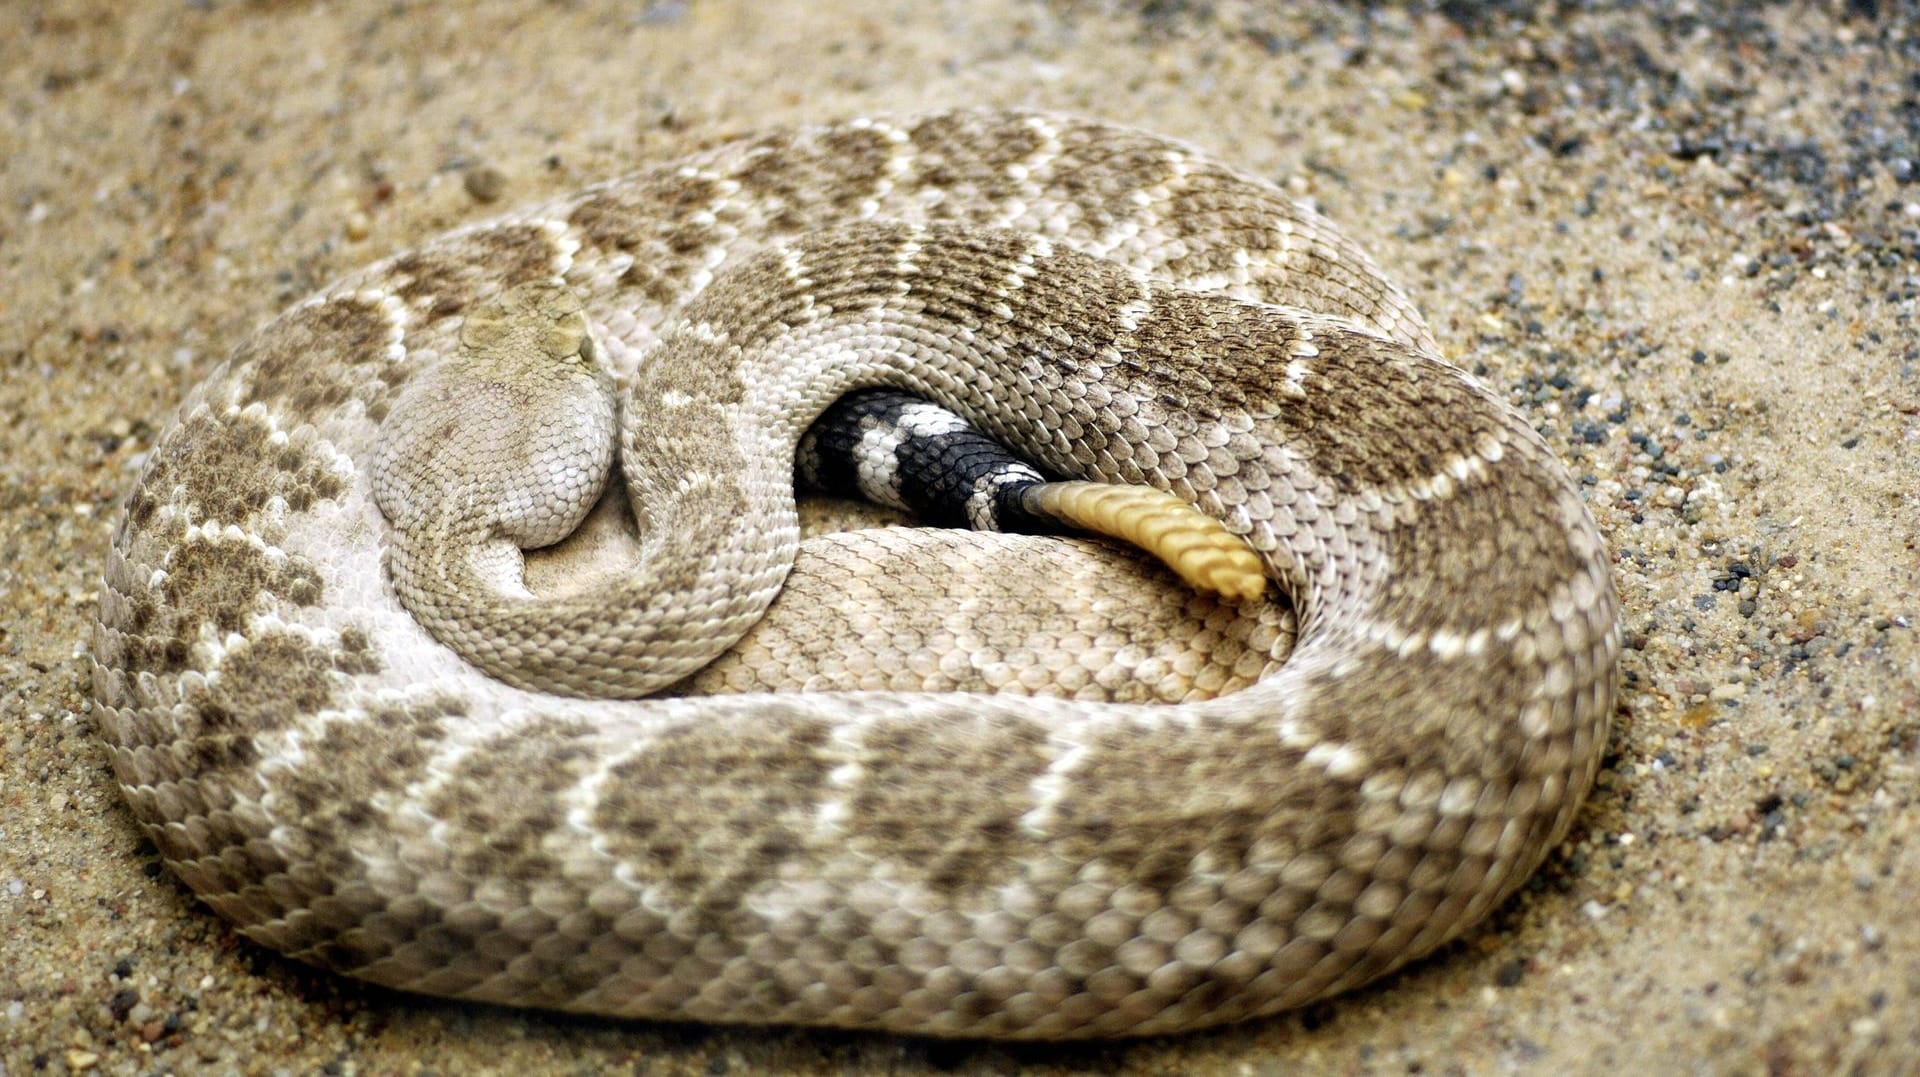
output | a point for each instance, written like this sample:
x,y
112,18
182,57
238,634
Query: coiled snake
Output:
x,y
952,783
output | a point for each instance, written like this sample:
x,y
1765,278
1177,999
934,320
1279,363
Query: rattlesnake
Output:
x,y
1015,786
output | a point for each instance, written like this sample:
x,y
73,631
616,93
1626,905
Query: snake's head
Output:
x,y
541,318
510,436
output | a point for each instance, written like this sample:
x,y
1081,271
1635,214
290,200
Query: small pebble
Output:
x,y
484,184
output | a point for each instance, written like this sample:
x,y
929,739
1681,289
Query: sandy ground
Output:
x,y
1686,244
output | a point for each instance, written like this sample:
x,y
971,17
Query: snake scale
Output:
x,y
929,781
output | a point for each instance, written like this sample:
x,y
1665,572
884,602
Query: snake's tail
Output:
x,y
1194,545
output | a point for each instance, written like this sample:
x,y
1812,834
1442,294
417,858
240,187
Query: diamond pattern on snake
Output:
x,y
464,633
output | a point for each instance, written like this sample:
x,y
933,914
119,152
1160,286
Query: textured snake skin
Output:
x,y
953,783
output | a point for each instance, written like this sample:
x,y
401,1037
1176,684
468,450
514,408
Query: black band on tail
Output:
x,y
896,449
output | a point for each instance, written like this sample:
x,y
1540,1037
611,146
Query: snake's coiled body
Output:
x,y
1066,857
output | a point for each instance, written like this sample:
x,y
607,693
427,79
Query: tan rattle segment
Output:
x,y
1194,545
